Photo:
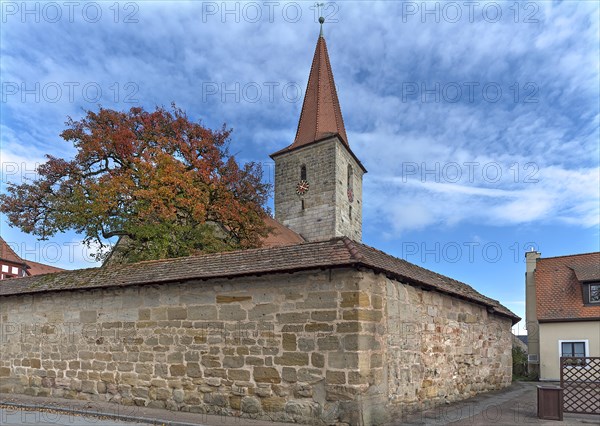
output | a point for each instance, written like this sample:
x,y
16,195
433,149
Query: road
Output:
x,y
16,417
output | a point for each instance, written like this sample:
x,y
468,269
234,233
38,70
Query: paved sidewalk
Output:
x,y
516,405
33,410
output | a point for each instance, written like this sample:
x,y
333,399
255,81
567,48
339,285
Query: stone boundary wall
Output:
x,y
280,347
442,349
327,347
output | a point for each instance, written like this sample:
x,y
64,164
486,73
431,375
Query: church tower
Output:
x,y
318,179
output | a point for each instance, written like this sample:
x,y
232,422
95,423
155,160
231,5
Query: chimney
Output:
x,y
531,322
530,260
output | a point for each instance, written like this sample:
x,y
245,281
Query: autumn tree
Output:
x,y
166,184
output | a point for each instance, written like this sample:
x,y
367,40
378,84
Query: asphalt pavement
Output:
x,y
14,416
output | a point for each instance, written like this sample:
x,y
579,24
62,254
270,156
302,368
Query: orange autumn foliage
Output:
x,y
166,183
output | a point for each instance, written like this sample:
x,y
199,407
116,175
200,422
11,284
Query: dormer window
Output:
x,y
591,293
594,293
589,279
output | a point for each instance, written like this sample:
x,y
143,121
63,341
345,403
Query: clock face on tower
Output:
x,y
302,187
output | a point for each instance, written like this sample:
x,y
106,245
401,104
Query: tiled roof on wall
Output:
x,y
337,252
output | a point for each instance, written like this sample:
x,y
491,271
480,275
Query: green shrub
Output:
x,y
519,363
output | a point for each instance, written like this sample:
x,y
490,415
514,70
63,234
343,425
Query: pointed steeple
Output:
x,y
318,179
321,114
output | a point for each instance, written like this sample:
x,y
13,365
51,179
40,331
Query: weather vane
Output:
x,y
321,19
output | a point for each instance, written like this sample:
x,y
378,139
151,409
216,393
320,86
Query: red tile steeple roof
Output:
x,y
321,114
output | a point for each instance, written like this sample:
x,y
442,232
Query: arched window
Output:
x,y
303,172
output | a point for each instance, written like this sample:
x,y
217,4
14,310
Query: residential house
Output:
x,y
13,266
562,309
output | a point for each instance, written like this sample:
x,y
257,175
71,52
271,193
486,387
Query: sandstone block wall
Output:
x,y
288,347
327,347
442,349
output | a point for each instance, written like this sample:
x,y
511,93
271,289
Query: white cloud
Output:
x,y
171,52
560,196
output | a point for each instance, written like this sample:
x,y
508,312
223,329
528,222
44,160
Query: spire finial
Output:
x,y
321,19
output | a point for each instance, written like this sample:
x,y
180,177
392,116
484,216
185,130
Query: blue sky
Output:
x,y
478,124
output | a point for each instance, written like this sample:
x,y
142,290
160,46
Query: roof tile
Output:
x,y
321,115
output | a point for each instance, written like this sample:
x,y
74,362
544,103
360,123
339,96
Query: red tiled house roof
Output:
x,y
559,289
36,268
334,253
8,254
31,268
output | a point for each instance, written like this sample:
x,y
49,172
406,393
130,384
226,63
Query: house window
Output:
x,y
594,293
303,172
572,348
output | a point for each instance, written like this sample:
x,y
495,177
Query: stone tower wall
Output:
x,y
326,205
347,226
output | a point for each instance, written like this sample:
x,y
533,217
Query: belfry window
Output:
x,y
350,177
349,189
303,172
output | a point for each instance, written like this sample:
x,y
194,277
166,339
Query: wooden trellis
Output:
x,y
580,379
